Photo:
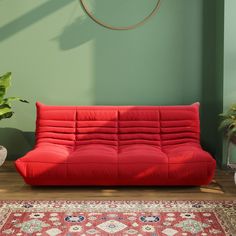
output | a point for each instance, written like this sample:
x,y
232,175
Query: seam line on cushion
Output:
x,y
118,143
195,162
198,122
161,145
27,169
180,120
40,162
75,133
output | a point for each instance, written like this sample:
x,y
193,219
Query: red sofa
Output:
x,y
117,145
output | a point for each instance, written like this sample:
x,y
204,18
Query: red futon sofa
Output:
x,y
117,145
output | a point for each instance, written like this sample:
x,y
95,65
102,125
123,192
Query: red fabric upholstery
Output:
x,y
117,145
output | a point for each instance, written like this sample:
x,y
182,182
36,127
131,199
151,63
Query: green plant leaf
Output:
x,y
5,112
25,101
6,115
10,99
225,123
5,80
2,92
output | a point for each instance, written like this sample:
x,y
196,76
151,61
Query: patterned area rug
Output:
x,y
154,218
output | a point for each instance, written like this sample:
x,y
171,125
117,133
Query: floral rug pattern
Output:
x,y
98,218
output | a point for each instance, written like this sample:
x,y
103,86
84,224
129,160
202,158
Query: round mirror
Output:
x,y
135,12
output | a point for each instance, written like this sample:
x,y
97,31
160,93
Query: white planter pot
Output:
x,y
3,154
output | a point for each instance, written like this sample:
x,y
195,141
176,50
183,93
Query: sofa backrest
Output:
x,y
96,125
117,125
180,124
139,125
55,124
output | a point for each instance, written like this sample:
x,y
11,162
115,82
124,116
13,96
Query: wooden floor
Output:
x,y
12,187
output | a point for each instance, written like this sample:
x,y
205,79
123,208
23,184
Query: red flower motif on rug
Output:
x,y
154,218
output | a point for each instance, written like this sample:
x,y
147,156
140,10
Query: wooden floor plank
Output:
x,y
12,187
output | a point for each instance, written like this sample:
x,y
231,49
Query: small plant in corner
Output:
x,y
5,103
228,123
228,126
5,106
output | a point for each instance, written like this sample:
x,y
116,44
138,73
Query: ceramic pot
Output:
x,y
3,154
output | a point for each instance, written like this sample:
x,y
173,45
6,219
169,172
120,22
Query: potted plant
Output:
x,y
5,106
228,123
228,126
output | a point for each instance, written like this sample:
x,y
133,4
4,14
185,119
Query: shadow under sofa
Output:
x,y
117,145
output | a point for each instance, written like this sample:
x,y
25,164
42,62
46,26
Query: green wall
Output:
x,y
59,56
230,62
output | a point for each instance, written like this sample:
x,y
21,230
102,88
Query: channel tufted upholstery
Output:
x,y
117,145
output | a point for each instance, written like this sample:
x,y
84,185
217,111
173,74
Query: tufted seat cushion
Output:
x,y
93,161
192,162
44,163
117,145
142,164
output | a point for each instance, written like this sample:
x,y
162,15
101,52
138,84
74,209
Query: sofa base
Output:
x,y
187,179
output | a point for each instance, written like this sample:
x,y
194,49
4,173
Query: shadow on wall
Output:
x,y
83,29
76,34
31,17
16,142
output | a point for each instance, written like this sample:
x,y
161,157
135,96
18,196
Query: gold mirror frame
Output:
x,y
108,26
